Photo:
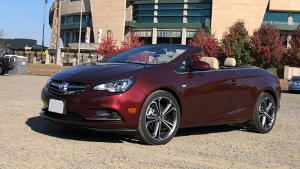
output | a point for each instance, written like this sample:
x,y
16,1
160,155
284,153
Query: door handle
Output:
x,y
233,83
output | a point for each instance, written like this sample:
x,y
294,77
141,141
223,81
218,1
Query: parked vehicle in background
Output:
x,y
6,63
294,84
151,91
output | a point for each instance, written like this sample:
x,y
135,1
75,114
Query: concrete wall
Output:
x,y
109,15
226,12
69,8
285,5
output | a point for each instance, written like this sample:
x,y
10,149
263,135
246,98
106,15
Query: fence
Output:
x,y
67,60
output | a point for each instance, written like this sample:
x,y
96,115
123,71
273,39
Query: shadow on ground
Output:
x,y
42,126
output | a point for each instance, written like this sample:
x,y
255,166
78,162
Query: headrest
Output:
x,y
203,59
213,62
230,62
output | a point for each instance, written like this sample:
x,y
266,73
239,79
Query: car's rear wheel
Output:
x,y
264,114
159,120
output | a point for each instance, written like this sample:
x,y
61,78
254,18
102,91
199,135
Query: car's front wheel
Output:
x,y
264,115
159,120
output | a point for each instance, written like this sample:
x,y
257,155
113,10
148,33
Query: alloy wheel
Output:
x,y
267,113
161,118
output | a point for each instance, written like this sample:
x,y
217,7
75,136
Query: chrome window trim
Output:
x,y
195,72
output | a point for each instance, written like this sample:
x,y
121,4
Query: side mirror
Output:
x,y
200,66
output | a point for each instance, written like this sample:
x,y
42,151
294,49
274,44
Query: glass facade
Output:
x,y
170,19
170,6
276,17
198,13
172,13
143,13
75,19
197,19
296,18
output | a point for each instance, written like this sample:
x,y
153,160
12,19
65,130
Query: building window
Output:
x,y
170,13
170,19
143,7
199,6
69,20
198,12
296,18
144,19
202,20
76,18
276,17
170,6
143,13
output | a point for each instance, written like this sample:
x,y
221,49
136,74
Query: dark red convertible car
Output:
x,y
151,91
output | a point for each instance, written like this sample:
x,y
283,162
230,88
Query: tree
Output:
x,y
267,46
131,41
205,40
107,47
292,57
234,44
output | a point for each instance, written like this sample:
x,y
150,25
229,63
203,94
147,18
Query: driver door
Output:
x,y
210,96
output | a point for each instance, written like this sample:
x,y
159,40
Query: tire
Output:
x,y
264,115
2,71
159,120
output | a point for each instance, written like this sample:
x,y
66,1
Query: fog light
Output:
x,y
108,113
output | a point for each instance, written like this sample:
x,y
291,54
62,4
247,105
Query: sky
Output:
x,y
24,19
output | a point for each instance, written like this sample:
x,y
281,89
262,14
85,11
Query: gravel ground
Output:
x,y
28,141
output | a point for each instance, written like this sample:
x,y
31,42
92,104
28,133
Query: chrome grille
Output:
x,y
67,88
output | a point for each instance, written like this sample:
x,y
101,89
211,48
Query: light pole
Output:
x,y
79,43
46,1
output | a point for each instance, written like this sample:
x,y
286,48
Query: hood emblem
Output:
x,y
63,87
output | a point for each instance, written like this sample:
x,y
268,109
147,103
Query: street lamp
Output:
x,y
46,1
79,43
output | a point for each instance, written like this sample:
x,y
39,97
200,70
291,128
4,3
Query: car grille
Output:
x,y
69,115
67,88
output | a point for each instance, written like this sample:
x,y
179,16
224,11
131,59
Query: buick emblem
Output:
x,y
63,87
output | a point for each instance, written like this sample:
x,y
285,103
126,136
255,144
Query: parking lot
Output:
x,y
28,141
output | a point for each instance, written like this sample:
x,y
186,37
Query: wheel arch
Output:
x,y
172,92
272,93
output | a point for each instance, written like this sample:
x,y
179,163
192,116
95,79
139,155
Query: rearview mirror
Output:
x,y
200,66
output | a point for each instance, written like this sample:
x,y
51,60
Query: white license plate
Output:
x,y
56,106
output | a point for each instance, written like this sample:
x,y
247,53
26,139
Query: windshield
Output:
x,y
149,55
296,78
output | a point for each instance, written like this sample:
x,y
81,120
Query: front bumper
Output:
x,y
81,110
86,128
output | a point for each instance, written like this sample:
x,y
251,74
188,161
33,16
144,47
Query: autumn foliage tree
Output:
x,y
267,46
132,40
107,47
234,44
292,57
205,40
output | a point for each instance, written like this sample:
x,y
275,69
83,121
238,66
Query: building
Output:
x,y
164,21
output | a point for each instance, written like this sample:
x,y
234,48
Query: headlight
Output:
x,y
116,86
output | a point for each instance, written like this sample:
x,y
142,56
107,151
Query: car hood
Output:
x,y
107,71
